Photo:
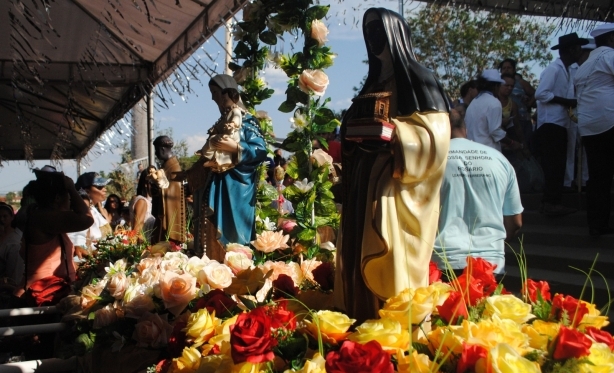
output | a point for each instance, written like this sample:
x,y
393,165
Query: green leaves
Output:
x,y
287,106
316,12
268,37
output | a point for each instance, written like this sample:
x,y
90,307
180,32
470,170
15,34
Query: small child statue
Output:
x,y
227,126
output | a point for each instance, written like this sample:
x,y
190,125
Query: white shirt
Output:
x,y
594,83
95,234
483,120
555,80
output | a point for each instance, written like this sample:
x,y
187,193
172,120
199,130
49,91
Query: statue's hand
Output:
x,y
179,176
225,144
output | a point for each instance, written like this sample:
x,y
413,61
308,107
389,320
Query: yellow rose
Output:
x,y
445,340
509,307
489,333
249,368
540,333
313,81
409,306
315,365
602,359
593,318
269,241
188,362
387,332
441,291
414,363
221,339
332,326
215,364
201,326
177,291
319,32
503,358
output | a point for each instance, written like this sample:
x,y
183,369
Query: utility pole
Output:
x,y
228,55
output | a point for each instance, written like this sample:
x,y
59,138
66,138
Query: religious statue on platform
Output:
x,y
390,184
168,206
225,194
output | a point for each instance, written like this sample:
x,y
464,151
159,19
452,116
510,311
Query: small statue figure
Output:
x,y
226,127
169,206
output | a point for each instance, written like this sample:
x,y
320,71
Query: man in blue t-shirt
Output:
x,y
480,203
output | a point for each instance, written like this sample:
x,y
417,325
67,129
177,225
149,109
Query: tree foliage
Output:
x,y
458,43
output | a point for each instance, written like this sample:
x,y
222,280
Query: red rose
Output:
x,y
283,287
353,357
215,300
570,306
472,289
177,340
281,317
324,275
482,271
251,339
469,357
434,272
571,343
533,288
453,308
600,336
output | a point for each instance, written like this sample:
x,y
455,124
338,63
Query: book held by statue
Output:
x,y
370,120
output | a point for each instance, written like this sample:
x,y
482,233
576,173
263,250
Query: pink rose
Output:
x,y
291,269
319,32
313,81
152,330
269,241
307,266
238,248
146,263
177,291
288,225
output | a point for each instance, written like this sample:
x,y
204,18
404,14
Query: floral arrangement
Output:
x,y
238,316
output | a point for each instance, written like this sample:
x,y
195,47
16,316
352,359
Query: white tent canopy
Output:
x,y
69,69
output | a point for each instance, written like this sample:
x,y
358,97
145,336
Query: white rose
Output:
x,y
174,261
313,81
237,262
194,265
319,32
217,275
238,248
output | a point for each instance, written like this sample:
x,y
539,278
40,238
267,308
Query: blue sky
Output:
x,y
191,118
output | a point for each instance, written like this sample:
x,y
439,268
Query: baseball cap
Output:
x,y
492,75
89,179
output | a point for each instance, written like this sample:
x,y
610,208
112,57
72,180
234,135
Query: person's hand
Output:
x,y
81,252
573,102
225,144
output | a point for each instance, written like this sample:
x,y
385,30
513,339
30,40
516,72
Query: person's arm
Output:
x,y
545,90
527,87
512,225
105,214
140,210
76,219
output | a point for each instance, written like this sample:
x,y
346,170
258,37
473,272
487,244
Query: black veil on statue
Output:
x,y
417,90
417,87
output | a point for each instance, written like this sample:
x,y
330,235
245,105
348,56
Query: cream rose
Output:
x,y
321,157
174,261
177,291
146,263
269,241
152,330
139,305
319,32
217,275
195,264
237,262
313,81
105,316
117,285
307,267
387,332
150,277
507,306
503,358
291,269
90,294
201,326
238,248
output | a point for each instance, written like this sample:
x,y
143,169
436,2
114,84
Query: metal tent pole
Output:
x,y
150,128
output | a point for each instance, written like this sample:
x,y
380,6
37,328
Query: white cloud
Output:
x,y
341,104
195,142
